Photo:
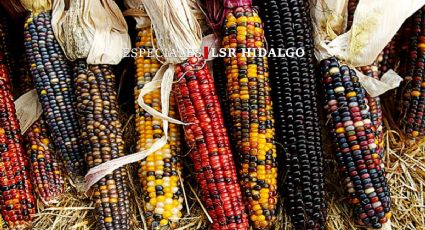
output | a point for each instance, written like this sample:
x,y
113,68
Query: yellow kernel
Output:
x,y
351,94
340,130
160,199
242,19
163,222
415,93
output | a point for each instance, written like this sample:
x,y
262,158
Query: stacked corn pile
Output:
x,y
101,133
52,78
288,26
17,203
160,171
351,127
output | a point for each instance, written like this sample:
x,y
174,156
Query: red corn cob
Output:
x,y
16,200
207,138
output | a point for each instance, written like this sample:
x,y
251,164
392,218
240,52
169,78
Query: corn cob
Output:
x,y
351,127
5,46
375,106
97,109
251,112
52,78
220,83
413,87
207,139
374,103
159,172
16,199
46,173
287,25
352,5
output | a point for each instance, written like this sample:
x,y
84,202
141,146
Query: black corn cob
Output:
x,y
220,83
97,109
287,25
350,122
5,46
412,70
52,77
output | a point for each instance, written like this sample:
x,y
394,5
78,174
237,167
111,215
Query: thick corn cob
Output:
x,y
159,172
97,109
53,81
359,164
16,199
413,87
250,108
46,173
287,25
207,139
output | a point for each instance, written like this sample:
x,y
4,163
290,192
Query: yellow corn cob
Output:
x,y
159,172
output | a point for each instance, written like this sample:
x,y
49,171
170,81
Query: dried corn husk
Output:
x,y
37,6
14,8
92,29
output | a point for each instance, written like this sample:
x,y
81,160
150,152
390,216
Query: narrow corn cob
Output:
x,y
413,87
16,199
206,137
251,112
97,109
159,172
375,106
46,173
351,127
53,81
5,46
220,82
352,5
287,25
374,103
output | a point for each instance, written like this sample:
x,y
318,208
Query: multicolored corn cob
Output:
x,y
293,82
251,113
206,137
351,127
375,107
17,202
159,172
412,69
374,103
52,77
46,173
97,110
